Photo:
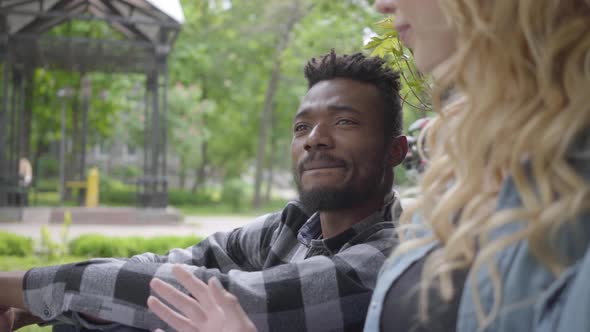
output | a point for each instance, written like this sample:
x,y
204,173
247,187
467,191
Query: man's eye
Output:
x,y
344,122
300,127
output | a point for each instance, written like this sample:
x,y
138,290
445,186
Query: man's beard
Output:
x,y
331,199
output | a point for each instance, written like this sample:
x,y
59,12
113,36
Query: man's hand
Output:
x,y
211,310
6,319
12,319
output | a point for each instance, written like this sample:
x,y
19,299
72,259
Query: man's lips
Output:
x,y
322,165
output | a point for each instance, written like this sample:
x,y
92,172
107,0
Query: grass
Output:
x,y
48,198
14,263
35,328
210,209
225,209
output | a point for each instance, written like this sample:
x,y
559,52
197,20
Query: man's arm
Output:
x,y
217,251
12,313
241,248
11,288
332,292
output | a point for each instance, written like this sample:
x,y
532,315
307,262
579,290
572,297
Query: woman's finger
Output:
x,y
171,317
182,302
194,285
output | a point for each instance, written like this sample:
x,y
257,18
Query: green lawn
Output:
x,y
14,263
224,209
35,328
209,209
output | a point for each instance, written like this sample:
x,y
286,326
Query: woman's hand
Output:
x,y
211,310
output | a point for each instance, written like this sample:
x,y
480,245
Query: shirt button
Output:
x,y
46,312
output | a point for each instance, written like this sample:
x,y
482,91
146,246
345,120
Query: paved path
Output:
x,y
35,218
193,225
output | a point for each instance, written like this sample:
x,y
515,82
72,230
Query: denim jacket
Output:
x,y
532,298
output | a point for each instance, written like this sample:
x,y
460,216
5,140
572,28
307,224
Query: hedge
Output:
x,y
93,245
15,245
175,197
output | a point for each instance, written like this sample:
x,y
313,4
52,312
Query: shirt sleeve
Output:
x,y
242,248
328,292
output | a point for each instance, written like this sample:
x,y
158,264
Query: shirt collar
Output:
x,y
310,233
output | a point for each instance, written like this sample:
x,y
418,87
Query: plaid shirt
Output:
x,y
285,276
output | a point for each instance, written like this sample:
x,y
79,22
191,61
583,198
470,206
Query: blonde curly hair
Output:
x,y
523,72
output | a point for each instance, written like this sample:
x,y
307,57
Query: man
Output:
x,y
293,270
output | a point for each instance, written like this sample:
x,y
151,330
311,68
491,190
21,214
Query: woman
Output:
x,y
498,238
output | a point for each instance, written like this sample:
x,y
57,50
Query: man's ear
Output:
x,y
397,150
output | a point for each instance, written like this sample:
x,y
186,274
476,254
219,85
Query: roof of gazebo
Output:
x,y
149,28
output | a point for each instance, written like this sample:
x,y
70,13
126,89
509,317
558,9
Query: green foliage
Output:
x,y
118,197
225,209
86,29
48,247
233,193
102,246
21,263
115,192
55,249
181,197
108,183
217,85
415,86
36,328
126,172
128,195
401,178
46,183
15,245
48,167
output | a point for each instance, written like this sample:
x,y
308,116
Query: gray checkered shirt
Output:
x,y
284,274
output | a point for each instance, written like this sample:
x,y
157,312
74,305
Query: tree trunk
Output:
x,y
25,147
182,173
201,170
283,42
271,158
200,173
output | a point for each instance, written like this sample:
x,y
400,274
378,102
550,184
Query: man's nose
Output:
x,y
386,6
319,138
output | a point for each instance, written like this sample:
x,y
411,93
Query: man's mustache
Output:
x,y
316,157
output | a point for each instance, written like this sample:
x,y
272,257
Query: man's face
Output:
x,y
339,150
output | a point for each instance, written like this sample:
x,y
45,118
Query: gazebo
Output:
x,y
149,27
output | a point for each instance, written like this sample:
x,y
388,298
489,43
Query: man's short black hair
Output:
x,y
359,67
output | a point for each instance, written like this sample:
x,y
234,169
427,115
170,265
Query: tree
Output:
x,y
296,11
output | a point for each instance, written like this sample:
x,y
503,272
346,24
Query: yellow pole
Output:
x,y
92,188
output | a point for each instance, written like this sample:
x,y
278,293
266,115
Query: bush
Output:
x,y
46,184
103,246
15,245
175,197
118,197
233,193
126,172
401,177
48,167
181,197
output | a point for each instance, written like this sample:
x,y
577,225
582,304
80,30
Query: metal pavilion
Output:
x,y
149,27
